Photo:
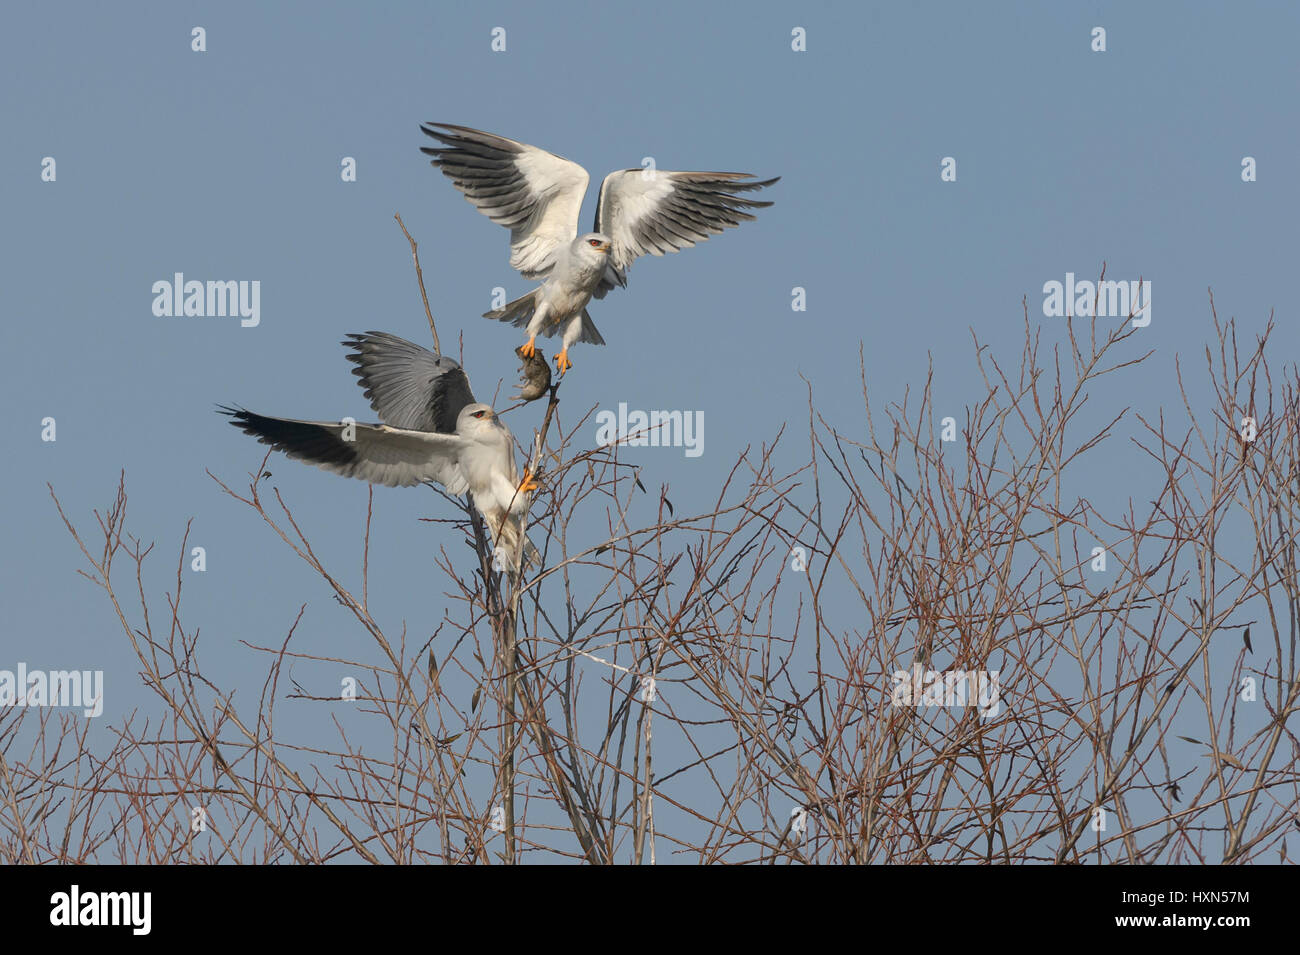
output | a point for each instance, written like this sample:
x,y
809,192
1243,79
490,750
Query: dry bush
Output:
x,y
772,625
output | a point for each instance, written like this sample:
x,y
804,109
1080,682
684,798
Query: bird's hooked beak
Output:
x,y
605,247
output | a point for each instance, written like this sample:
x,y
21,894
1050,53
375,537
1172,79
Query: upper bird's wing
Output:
x,y
535,194
379,454
408,386
656,211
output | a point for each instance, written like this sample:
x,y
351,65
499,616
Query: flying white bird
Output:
x,y
432,430
538,197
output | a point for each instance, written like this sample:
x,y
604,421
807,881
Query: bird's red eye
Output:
x,y
478,414
593,242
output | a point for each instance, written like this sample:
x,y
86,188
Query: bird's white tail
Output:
x,y
507,543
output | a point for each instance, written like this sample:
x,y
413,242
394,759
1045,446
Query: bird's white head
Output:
x,y
478,421
592,244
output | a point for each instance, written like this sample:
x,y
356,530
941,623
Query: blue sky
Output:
x,y
225,165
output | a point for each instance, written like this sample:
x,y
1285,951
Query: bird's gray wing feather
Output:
x,y
408,386
519,312
589,331
537,195
379,454
652,212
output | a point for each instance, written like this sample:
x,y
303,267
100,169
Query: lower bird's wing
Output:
x,y
408,386
377,453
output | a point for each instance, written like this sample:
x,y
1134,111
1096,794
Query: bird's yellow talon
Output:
x,y
562,361
528,348
527,484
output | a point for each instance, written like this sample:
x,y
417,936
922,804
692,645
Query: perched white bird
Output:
x,y
538,196
432,430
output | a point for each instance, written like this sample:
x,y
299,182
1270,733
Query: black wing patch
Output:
x,y
298,439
